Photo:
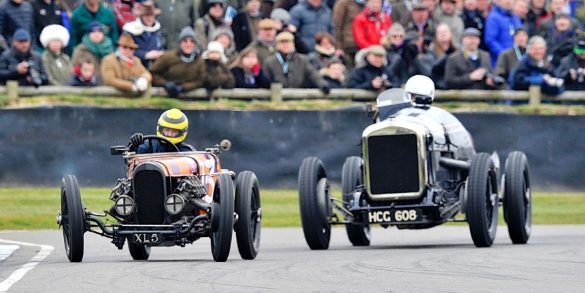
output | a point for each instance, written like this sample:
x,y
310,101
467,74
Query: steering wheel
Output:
x,y
164,141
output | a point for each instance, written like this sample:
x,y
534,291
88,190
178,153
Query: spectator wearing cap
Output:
x,y
472,17
94,46
22,64
344,12
145,31
534,69
371,25
334,74
124,71
281,20
291,69
217,74
247,71
470,67
54,39
180,70
226,38
310,17
212,20
264,43
572,68
420,30
245,24
499,28
447,13
45,13
508,60
15,14
175,15
371,72
324,51
124,11
90,11
560,39
537,14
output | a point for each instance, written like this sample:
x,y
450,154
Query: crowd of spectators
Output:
x,y
183,45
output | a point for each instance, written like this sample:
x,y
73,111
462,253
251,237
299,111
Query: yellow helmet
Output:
x,y
173,119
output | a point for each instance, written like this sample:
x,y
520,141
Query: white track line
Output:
x,y
19,274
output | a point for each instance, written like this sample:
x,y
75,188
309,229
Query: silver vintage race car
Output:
x,y
418,169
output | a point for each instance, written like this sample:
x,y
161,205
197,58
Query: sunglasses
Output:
x,y
397,36
128,48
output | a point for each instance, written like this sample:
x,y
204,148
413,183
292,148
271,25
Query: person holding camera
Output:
x,y
22,64
572,68
535,69
470,67
371,72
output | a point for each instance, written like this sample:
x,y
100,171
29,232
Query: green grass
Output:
x,y
36,208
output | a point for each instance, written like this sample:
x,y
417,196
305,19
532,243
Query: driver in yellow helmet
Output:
x,y
172,126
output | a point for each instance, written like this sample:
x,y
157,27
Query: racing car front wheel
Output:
x,y
139,251
517,198
221,239
315,204
482,200
249,213
72,218
351,178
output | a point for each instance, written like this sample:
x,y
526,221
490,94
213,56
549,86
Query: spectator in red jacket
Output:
x,y
124,11
371,25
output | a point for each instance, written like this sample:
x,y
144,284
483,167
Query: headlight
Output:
x,y
174,204
124,205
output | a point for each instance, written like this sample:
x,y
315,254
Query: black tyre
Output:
x,y
517,198
249,213
314,201
221,240
351,178
482,200
72,218
139,251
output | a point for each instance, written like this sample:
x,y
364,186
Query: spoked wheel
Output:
x,y
72,218
221,239
139,251
517,198
482,200
315,204
249,213
351,178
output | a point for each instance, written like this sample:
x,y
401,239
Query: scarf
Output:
x,y
125,59
100,50
325,52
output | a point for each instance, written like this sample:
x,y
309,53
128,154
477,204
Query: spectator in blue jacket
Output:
x,y
21,63
371,72
534,69
309,18
15,14
145,31
500,26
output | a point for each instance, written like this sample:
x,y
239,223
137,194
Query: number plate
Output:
x,y
400,216
146,238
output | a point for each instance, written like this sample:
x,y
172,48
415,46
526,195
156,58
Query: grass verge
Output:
x,y
36,208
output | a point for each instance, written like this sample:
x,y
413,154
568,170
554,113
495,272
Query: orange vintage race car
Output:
x,y
169,199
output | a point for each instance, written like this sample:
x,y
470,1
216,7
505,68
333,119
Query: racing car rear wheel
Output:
x,y
482,200
517,198
315,204
221,240
139,251
351,178
72,218
249,214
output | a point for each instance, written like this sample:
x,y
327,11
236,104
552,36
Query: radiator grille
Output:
x,y
393,164
149,193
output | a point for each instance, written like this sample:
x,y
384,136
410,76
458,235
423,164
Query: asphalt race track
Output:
x,y
441,259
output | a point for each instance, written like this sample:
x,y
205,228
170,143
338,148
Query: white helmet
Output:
x,y
419,90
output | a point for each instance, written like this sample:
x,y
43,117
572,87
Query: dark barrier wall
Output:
x,y
40,145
